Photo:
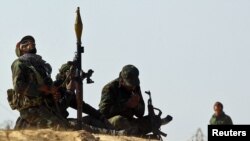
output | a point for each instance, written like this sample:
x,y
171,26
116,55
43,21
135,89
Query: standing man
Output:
x,y
219,117
122,103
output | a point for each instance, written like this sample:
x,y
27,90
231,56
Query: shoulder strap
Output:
x,y
38,76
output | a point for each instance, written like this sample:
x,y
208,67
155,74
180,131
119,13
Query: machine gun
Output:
x,y
155,119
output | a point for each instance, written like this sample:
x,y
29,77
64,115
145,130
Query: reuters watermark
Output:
x,y
224,132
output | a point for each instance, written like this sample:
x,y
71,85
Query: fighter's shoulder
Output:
x,y
18,64
227,116
112,85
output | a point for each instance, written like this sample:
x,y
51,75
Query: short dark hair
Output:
x,y
218,104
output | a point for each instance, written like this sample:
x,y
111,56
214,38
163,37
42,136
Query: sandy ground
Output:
x,y
51,135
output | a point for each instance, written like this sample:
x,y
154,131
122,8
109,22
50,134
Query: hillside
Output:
x,y
51,135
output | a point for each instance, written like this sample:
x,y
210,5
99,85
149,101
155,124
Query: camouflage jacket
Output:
x,y
223,119
113,101
28,73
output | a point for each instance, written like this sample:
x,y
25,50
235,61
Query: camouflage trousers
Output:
x,y
68,124
40,117
133,126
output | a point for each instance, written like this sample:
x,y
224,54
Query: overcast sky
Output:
x,y
190,53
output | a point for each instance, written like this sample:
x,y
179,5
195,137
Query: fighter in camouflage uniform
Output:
x,y
122,103
34,94
68,99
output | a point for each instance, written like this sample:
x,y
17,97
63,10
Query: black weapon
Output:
x,y
79,74
156,120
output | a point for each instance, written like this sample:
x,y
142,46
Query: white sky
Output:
x,y
190,53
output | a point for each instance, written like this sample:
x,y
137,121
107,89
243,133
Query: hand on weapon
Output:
x,y
133,101
72,73
71,79
71,85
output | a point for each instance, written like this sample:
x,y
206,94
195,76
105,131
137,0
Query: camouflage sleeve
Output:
x,y
109,106
140,109
22,79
